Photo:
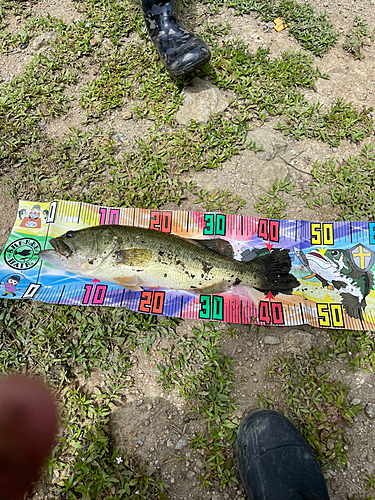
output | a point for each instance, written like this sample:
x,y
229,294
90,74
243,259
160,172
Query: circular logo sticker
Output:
x,y
22,254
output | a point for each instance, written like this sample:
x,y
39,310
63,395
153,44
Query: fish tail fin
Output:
x,y
273,271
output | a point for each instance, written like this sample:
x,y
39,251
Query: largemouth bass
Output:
x,y
133,258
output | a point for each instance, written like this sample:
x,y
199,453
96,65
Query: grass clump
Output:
x,y
348,185
358,347
29,98
272,205
341,121
95,469
136,73
263,86
16,7
314,402
219,200
205,379
115,20
83,167
358,38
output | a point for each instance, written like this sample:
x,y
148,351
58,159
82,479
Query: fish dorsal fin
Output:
x,y
138,257
217,245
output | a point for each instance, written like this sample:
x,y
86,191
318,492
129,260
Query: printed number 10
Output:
x,y
113,216
97,297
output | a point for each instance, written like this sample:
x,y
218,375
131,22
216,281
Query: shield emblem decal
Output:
x,y
362,258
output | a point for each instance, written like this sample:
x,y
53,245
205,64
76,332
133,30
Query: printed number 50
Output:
x,y
330,315
322,234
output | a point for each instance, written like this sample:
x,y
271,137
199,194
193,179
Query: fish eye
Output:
x,y
334,253
70,234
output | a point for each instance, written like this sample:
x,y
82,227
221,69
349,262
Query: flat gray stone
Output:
x,y
273,143
43,40
370,410
298,342
269,339
201,99
320,369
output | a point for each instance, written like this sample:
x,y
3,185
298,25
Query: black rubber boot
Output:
x,y
274,460
179,49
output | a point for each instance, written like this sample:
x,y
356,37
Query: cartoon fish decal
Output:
x,y
134,258
348,271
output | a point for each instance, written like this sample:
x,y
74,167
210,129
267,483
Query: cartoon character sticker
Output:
x,y
31,220
10,285
347,271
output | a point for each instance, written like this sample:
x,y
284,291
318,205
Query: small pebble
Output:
x,y
181,443
370,410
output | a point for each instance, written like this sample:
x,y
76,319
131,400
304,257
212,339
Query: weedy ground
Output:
x,y
107,55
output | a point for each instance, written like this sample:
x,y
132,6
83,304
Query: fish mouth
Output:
x,y
315,254
61,247
318,263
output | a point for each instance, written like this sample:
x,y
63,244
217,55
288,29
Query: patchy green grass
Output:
x,y
110,41
219,200
36,94
205,379
311,29
83,167
358,37
358,347
348,185
79,341
341,121
317,404
273,205
135,73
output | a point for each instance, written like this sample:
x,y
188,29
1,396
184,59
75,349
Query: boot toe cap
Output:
x,y
187,59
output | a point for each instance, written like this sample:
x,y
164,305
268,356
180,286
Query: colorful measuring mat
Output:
x,y
333,261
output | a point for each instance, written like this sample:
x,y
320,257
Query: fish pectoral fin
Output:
x,y
221,286
217,245
130,282
339,284
137,257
